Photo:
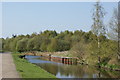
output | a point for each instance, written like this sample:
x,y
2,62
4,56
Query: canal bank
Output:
x,y
61,70
28,70
65,58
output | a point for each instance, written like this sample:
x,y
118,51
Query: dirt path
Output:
x,y
8,66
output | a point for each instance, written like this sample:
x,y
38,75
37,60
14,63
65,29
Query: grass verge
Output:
x,y
28,70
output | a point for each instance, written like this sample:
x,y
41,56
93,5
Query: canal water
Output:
x,y
71,71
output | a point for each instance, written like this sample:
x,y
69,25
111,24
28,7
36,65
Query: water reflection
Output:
x,y
71,71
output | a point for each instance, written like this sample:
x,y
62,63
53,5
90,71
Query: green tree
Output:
x,y
45,42
6,45
1,40
37,43
63,45
22,45
49,34
30,45
53,46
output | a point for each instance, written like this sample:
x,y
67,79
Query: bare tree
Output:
x,y
98,27
114,26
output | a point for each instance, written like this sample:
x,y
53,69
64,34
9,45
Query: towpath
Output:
x,y
7,66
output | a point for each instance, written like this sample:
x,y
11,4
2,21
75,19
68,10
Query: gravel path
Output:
x,y
8,66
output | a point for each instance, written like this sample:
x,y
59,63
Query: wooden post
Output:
x,y
63,60
49,57
68,60
71,61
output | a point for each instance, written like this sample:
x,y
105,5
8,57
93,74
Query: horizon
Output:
x,y
26,18
42,32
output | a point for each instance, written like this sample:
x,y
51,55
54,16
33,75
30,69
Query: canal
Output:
x,y
71,71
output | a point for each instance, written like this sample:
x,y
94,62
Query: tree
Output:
x,y
98,16
79,50
63,45
113,25
49,34
12,44
114,28
6,46
98,27
30,45
45,43
37,43
53,46
1,44
22,45
33,34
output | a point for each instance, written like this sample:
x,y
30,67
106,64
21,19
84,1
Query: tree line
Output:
x,y
46,41
78,43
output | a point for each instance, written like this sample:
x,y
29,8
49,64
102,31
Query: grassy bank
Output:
x,y
28,70
1,51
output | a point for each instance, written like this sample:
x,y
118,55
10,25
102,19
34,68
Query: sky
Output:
x,y
28,17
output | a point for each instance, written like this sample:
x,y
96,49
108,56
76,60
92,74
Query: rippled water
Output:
x,y
72,71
